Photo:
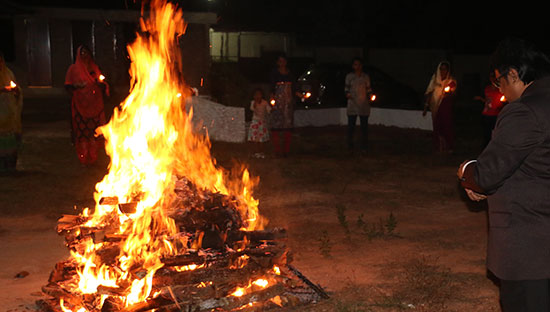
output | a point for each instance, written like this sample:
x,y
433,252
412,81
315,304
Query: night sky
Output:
x,y
456,26
453,25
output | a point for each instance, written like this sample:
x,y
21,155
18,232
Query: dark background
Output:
x,y
465,27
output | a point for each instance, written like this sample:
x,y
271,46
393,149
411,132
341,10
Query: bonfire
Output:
x,y
170,230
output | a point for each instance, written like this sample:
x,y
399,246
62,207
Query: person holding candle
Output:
x,y
282,101
440,101
86,85
11,104
512,173
493,103
358,92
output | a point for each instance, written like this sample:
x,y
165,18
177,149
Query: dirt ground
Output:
x,y
386,231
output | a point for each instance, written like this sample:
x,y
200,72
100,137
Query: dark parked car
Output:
x,y
324,83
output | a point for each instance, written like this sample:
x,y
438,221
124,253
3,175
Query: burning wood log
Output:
x,y
216,276
276,253
231,302
56,291
219,304
62,271
108,200
48,305
69,222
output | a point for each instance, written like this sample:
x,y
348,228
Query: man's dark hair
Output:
x,y
358,59
530,63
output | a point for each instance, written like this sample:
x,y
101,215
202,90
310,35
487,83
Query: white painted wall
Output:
x,y
223,123
227,124
379,116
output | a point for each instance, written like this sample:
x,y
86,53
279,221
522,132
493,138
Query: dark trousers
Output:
x,y
524,296
364,120
281,148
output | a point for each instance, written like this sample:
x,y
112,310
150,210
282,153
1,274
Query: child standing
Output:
x,y
258,131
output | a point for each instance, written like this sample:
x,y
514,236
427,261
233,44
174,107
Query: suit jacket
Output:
x,y
514,170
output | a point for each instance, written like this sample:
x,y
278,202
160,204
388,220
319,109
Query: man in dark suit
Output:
x,y
513,173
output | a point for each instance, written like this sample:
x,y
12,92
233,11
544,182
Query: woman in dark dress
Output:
x,y
282,113
440,97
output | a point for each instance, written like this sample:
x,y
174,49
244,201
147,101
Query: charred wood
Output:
x,y
320,291
48,305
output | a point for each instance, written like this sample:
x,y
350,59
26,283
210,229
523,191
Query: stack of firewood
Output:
x,y
219,260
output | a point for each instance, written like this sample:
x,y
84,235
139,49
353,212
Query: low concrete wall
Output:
x,y
379,116
223,123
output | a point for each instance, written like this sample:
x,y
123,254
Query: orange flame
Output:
x,y
150,141
241,291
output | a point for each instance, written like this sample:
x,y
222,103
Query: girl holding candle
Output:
x,y
11,104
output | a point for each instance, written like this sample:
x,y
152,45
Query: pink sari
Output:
x,y
87,109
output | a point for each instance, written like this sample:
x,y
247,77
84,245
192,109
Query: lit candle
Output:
x,y
101,78
503,98
272,102
447,89
307,95
373,97
13,85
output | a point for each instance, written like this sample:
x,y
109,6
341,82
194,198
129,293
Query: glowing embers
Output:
x,y
212,263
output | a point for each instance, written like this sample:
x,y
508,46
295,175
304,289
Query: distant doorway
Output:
x,y
38,53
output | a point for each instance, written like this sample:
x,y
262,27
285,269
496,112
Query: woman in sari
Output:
x,y
86,85
440,100
282,113
11,104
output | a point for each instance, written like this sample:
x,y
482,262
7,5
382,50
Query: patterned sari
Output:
x,y
282,113
87,109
